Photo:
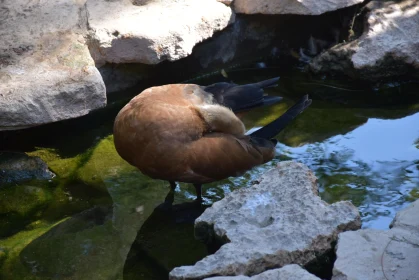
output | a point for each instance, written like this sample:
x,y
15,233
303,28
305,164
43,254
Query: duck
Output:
x,y
192,134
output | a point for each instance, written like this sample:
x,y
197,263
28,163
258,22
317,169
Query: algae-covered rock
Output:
x,y
92,167
18,167
93,244
20,204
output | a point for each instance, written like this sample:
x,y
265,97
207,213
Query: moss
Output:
x,y
340,187
103,162
92,167
11,267
20,204
414,194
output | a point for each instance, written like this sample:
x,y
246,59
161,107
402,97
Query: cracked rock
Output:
x,y
379,254
46,71
388,47
288,272
279,221
122,32
301,7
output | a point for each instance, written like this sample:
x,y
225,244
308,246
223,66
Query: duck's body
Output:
x,y
181,133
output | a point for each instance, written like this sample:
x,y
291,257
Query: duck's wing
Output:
x,y
217,156
243,97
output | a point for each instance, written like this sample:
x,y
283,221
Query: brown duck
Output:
x,y
189,133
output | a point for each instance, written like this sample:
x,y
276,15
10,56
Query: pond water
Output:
x,y
99,218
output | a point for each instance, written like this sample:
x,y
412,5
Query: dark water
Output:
x,y
99,218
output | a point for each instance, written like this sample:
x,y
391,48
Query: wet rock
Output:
x,y
279,221
17,167
389,46
302,7
93,244
122,32
19,205
288,272
46,71
378,254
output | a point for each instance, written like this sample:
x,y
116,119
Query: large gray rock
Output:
x,y
381,255
288,272
389,46
301,7
279,221
46,71
122,32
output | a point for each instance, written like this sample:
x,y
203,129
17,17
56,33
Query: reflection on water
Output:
x,y
377,165
99,218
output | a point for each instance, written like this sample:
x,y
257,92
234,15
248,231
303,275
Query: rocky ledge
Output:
x,y
46,71
49,50
381,254
301,7
279,221
288,272
389,46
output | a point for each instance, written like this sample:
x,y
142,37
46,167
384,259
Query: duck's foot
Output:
x,y
198,189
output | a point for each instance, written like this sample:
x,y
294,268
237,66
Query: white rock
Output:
x,y
381,255
46,71
300,7
288,272
160,30
279,221
388,47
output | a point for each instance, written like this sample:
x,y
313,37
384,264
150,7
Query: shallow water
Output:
x,y
100,218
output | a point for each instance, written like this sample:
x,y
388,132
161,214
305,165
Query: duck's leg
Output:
x,y
172,185
198,189
168,201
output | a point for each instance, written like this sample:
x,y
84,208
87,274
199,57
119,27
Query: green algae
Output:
x,y
315,124
20,204
11,267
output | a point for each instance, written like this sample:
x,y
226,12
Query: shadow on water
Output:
x,y
166,241
100,218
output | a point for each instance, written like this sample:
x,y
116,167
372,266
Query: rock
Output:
x,y
302,7
279,221
46,71
378,254
388,47
18,167
288,272
226,2
122,32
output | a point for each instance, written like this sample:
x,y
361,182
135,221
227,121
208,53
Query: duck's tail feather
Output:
x,y
268,83
243,97
272,129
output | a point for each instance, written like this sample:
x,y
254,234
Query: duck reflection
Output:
x,y
166,240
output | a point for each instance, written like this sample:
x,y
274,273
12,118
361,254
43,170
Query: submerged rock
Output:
x,y
279,221
46,71
17,167
379,254
159,30
302,7
288,272
389,46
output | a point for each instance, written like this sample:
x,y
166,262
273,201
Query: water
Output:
x,y
99,218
